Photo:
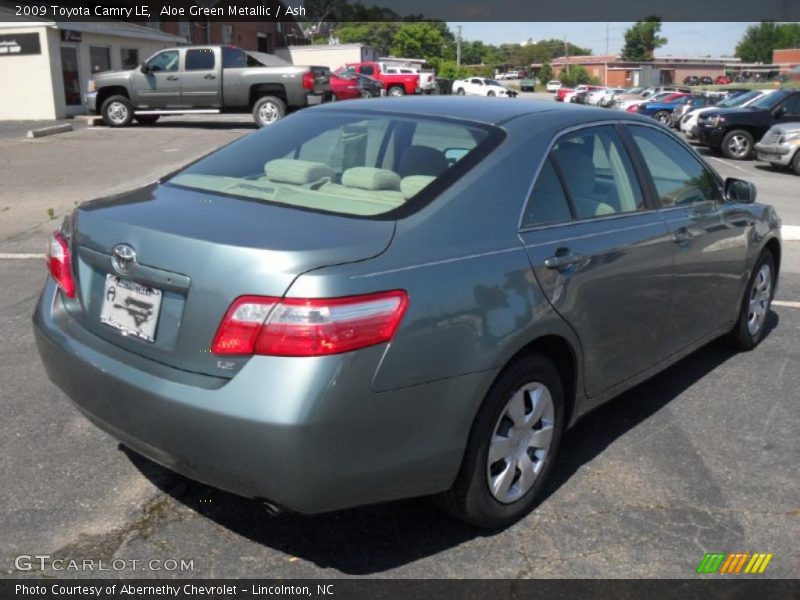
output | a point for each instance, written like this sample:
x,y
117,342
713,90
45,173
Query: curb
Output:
x,y
790,233
53,129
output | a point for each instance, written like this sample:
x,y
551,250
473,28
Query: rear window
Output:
x,y
373,165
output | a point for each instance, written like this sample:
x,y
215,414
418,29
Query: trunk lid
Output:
x,y
202,251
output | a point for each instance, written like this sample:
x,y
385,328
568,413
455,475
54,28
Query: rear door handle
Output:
x,y
682,236
210,76
559,261
172,78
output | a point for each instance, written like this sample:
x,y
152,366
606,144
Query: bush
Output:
x,y
577,75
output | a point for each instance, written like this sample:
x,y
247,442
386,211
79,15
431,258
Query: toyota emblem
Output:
x,y
123,257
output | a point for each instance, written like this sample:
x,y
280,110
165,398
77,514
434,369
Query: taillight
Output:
x,y
308,80
60,264
309,327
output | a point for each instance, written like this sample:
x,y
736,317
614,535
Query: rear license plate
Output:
x,y
314,99
131,307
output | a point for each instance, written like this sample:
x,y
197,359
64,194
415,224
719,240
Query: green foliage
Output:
x,y
642,39
576,75
378,35
760,40
421,39
543,51
545,73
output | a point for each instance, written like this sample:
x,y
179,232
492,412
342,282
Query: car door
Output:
x,y
200,81
789,110
709,236
600,254
475,86
159,86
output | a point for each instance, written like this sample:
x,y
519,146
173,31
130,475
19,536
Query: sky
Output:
x,y
684,39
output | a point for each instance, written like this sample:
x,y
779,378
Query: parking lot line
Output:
x,y
786,303
4,255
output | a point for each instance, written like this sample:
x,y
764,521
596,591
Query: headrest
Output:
x,y
422,160
413,184
297,172
578,168
371,178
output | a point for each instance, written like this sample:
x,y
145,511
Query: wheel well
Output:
x,y
775,248
104,93
267,89
560,352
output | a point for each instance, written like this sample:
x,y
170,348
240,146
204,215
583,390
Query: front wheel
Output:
x,y
396,91
491,93
737,144
117,111
267,110
511,448
662,117
750,327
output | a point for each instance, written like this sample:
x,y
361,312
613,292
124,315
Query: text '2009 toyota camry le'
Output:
x,y
377,300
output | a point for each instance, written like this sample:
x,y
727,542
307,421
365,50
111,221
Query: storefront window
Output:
x,y
129,58
100,58
72,80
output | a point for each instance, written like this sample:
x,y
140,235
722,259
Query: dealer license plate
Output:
x,y
131,307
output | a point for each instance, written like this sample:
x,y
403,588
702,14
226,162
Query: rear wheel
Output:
x,y
750,326
146,119
397,91
737,144
460,92
267,110
491,93
512,446
117,111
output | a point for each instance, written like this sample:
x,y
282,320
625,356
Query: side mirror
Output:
x,y
739,190
779,112
143,68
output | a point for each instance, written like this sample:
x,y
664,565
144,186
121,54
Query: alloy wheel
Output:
x,y
117,112
760,296
739,146
268,113
520,442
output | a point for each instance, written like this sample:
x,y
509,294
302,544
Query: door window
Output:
x,y
201,59
164,61
792,106
548,202
679,178
598,174
367,70
72,80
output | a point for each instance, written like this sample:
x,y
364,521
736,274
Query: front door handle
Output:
x,y
210,76
682,236
172,78
561,260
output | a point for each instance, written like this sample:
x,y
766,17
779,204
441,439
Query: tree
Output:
x,y
546,72
642,39
379,35
760,40
576,75
421,39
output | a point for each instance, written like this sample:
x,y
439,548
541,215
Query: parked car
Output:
x,y
632,105
706,80
693,102
206,79
528,84
581,95
427,77
359,355
661,111
691,80
733,131
348,86
780,146
689,121
395,84
723,80
553,86
482,86
562,92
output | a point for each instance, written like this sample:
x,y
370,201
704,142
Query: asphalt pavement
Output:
x,y
702,458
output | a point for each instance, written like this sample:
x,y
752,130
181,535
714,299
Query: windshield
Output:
x,y
344,163
769,101
738,100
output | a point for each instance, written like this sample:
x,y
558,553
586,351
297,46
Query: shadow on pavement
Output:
x,y
186,124
372,539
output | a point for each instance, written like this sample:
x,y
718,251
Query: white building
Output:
x,y
332,56
45,65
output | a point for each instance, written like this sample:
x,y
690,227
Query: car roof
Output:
x,y
490,111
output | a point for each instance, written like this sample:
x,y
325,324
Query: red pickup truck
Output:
x,y
398,84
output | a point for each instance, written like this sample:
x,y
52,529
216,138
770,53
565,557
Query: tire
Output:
x,y
268,110
147,119
460,92
750,326
527,383
796,163
737,144
662,117
396,91
491,93
117,111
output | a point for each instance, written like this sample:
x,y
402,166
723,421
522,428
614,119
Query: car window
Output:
x,y
201,59
351,164
678,176
598,173
236,58
476,81
367,70
792,105
547,203
164,61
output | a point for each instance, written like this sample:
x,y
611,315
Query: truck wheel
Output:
x,y
146,119
397,91
737,144
117,111
267,110
460,92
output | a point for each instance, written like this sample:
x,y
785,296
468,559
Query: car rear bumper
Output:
x,y
307,434
775,153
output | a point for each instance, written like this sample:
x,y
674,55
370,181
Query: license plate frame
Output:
x,y
131,308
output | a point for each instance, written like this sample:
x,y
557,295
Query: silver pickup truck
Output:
x,y
206,79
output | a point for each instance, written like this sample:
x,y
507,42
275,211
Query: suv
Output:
x,y
733,131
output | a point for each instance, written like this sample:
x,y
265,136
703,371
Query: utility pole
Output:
x,y
458,48
566,55
606,39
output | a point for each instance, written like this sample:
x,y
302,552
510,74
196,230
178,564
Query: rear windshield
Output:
x,y
364,165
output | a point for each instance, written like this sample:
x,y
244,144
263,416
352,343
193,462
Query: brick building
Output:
x,y
260,36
